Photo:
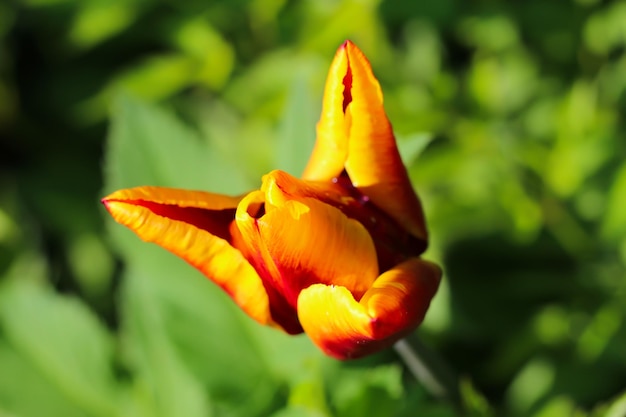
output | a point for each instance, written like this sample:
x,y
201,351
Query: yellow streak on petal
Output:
x,y
213,256
312,242
249,239
255,248
302,241
331,147
394,306
176,196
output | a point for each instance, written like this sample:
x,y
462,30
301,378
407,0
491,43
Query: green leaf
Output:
x,y
558,406
148,146
296,134
171,387
614,226
215,56
55,350
95,22
206,335
266,78
201,325
373,391
615,408
22,380
298,411
476,404
531,384
412,146
307,389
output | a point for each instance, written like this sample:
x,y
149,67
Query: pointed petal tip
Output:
x,y
353,52
119,202
112,206
121,194
347,44
195,226
107,202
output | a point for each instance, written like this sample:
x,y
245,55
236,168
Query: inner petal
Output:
x,y
393,243
216,222
311,242
210,212
246,237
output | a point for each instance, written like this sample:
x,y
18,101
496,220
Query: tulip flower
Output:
x,y
335,254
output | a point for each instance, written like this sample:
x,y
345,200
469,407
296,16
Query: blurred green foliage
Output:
x,y
514,109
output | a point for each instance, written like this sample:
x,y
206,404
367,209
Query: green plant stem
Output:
x,y
430,370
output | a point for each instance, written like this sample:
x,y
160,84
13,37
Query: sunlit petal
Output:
x,y
192,225
373,162
393,242
312,242
396,304
331,146
301,241
250,242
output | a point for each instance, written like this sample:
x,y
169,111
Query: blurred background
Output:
x,y
514,109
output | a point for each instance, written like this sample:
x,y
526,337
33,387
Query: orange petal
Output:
x,y
373,162
393,307
195,226
393,242
331,146
248,240
304,241
354,133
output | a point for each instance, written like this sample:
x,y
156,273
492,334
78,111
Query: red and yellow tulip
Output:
x,y
334,254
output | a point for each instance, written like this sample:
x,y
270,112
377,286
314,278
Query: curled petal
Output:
x,y
196,227
301,241
253,248
395,305
312,242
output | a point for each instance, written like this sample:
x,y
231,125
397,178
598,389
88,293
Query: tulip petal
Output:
x,y
254,250
393,242
373,162
394,306
194,225
331,146
354,133
301,241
